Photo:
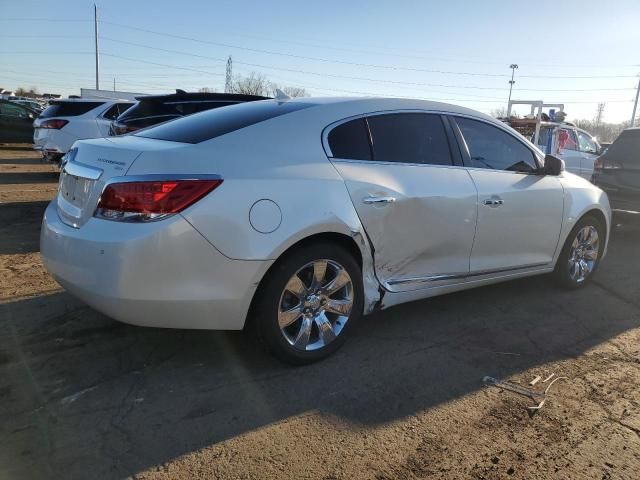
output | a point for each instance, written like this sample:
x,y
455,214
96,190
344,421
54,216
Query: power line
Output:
x,y
324,46
320,59
322,74
160,64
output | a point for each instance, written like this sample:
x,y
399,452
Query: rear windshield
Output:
x,y
69,109
626,148
214,123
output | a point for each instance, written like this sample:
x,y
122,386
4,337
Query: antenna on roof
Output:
x,y
281,96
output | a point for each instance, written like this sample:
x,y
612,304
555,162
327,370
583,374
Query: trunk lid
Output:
x,y
91,164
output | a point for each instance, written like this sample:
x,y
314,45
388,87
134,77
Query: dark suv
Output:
x,y
154,109
617,172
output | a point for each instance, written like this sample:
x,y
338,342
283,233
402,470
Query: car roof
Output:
x,y
370,105
12,102
92,100
178,96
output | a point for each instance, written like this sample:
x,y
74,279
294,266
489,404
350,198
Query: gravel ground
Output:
x,y
82,396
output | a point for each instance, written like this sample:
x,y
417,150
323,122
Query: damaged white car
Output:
x,y
299,216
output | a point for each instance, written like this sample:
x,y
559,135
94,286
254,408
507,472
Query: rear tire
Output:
x,y
581,253
308,303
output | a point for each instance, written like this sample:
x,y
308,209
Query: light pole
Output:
x,y
95,24
513,67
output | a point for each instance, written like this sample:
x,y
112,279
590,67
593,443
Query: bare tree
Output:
x,y
207,90
257,84
604,132
23,92
291,91
254,84
499,112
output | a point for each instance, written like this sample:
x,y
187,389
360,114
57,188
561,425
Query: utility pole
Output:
x,y
228,84
635,106
513,67
114,84
95,23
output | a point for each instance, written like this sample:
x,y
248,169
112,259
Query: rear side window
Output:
x,y
409,138
214,123
350,140
490,147
69,109
115,110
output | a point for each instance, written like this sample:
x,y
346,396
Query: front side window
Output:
x,y
490,147
567,140
350,140
409,138
586,143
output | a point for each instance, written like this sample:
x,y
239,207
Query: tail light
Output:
x,y
55,124
598,164
144,201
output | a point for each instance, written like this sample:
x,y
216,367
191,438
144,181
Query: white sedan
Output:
x,y
65,121
297,217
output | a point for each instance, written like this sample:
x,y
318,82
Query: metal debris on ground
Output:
x,y
538,397
535,380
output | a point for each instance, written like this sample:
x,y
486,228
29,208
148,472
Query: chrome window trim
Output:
x,y
538,155
327,129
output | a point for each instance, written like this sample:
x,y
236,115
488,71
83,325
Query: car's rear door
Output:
x,y
416,201
519,211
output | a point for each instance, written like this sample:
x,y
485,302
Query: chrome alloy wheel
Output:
x,y
584,253
315,304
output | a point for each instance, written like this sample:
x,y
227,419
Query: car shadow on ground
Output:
x,y
80,392
20,226
29,178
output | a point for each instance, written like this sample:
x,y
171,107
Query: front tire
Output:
x,y
309,302
581,254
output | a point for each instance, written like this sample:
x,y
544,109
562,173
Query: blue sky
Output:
x,y
455,50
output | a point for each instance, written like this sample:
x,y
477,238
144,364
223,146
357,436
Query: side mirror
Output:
x,y
552,166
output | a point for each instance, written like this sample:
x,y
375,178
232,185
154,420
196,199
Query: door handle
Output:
x,y
378,200
494,202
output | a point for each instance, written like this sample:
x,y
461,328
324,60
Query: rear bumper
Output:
x,y
158,274
52,141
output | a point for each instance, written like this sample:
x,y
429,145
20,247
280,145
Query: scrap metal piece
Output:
x,y
515,388
549,378
538,397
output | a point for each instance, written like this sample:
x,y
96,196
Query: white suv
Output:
x,y
65,121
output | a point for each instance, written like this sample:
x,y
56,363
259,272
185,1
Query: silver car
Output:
x,y
297,217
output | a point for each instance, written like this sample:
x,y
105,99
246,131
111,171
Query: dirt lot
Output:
x,y
82,396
